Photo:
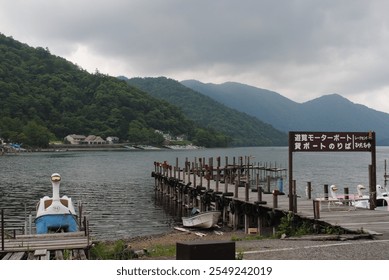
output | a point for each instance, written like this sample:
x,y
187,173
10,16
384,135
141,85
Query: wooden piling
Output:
x,y
326,191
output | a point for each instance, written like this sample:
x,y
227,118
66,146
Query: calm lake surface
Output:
x,y
117,190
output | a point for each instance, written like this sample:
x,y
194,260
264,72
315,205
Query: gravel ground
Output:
x,y
345,247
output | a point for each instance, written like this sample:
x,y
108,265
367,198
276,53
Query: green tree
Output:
x,y
36,135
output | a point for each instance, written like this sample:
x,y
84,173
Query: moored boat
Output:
x,y
382,199
198,219
55,214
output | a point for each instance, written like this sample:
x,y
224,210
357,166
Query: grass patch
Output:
x,y
291,226
162,251
120,251
111,251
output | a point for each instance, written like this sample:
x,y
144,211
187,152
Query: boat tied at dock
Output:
x,y
56,214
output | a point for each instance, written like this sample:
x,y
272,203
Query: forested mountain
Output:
x,y
243,129
328,113
44,97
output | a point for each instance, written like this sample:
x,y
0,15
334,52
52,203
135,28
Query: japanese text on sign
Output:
x,y
331,141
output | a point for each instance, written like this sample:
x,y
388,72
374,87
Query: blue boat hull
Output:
x,y
56,223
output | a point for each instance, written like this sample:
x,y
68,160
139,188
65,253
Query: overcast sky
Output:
x,y
301,49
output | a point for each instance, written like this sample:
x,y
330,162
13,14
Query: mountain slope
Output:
x,y
244,130
44,97
328,113
251,100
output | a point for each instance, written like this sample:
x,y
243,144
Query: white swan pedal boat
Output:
x,y
55,214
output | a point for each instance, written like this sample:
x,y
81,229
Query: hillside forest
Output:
x,y
45,98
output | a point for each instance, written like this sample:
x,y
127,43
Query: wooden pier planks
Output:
x,y
349,218
43,246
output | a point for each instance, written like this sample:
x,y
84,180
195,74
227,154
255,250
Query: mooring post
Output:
x,y
372,189
201,171
176,168
259,189
80,213
217,173
248,172
194,174
268,179
225,176
294,197
246,198
211,167
309,190
316,209
2,229
188,171
275,199
346,195
233,171
210,173
326,192
239,176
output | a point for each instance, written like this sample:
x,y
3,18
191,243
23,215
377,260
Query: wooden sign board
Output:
x,y
331,141
305,141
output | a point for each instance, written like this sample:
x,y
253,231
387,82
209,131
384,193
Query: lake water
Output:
x,y
117,190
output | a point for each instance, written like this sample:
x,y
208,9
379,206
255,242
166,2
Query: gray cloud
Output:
x,y
300,48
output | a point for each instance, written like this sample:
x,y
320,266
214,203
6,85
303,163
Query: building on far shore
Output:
x,y
93,140
112,139
74,139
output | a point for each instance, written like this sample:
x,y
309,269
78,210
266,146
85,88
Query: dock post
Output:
x,y
236,187
316,209
210,173
309,190
225,176
29,224
175,169
217,173
238,179
188,170
268,179
248,172
2,229
346,195
326,192
194,170
259,189
275,199
208,177
259,225
294,197
201,171
246,193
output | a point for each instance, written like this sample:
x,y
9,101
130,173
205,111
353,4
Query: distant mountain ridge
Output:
x,y
330,112
243,129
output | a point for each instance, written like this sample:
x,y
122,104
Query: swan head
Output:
x,y
360,189
380,190
333,190
55,181
55,177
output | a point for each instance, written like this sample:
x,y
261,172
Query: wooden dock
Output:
x,y
58,246
50,246
248,198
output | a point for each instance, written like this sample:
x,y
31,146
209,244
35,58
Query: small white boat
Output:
x,y
382,199
55,214
199,219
